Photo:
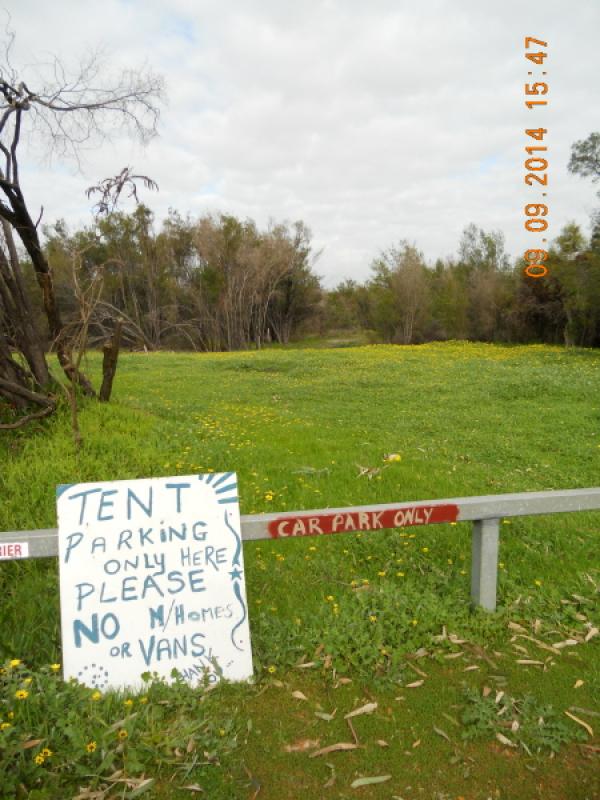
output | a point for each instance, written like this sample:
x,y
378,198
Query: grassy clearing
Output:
x,y
297,426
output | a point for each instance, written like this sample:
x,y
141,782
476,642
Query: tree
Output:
x,y
68,111
585,158
400,294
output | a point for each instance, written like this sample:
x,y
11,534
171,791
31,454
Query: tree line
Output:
x,y
220,283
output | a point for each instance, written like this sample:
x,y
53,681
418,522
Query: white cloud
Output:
x,y
371,122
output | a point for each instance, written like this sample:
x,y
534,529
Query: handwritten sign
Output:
x,y
346,521
12,550
151,579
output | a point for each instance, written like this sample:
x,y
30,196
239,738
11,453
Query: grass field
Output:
x,y
375,613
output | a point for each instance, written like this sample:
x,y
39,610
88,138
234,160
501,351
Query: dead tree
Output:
x,y
68,112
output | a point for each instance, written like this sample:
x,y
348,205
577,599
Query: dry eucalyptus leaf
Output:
x,y
299,695
591,633
530,661
504,740
323,715
369,781
441,733
578,684
31,743
366,709
514,626
334,748
566,643
416,744
414,685
382,743
583,724
301,744
193,787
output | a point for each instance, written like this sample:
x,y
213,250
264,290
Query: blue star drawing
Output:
x,y
236,574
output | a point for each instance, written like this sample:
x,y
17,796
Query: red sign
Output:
x,y
12,550
345,521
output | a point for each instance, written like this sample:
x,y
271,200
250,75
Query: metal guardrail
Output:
x,y
485,512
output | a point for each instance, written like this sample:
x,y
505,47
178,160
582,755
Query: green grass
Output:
x,y
295,424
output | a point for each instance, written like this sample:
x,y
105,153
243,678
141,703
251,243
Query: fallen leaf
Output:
x,y
368,781
366,709
416,669
331,780
333,748
414,685
416,744
514,626
382,743
566,643
306,665
539,644
441,733
470,668
486,691
193,787
591,633
299,695
578,684
453,655
503,740
302,744
499,696
531,661
583,724
323,715
344,681
31,743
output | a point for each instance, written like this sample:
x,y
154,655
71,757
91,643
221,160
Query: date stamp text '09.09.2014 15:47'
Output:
x,y
536,166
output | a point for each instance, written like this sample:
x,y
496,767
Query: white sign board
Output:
x,y
151,579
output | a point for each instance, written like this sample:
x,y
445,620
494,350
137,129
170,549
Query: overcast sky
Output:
x,y
372,122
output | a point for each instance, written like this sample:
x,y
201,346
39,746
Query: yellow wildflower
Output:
x,y
272,669
4,726
54,667
143,700
46,752
91,747
39,759
128,703
373,617
122,734
21,694
15,662
96,695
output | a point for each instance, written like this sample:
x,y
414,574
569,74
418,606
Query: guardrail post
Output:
x,y
484,565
